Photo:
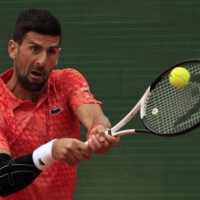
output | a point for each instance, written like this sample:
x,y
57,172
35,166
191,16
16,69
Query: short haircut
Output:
x,y
37,20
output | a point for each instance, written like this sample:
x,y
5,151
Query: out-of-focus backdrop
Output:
x,y
120,46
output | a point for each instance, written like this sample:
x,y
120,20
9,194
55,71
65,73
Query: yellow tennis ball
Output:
x,y
179,77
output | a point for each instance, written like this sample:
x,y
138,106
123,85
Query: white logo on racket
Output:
x,y
155,111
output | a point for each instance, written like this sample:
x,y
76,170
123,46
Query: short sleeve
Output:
x,y
3,140
77,89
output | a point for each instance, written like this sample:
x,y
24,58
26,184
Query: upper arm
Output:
x,y
90,114
5,151
82,101
4,146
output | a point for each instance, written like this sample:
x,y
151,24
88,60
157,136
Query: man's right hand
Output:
x,y
70,150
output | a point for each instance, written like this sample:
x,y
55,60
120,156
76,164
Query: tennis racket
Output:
x,y
164,109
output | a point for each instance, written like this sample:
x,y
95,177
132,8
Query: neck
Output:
x,y
22,93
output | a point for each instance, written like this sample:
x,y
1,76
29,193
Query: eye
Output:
x,y
34,49
51,51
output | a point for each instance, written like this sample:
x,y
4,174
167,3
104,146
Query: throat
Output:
x,y
22,93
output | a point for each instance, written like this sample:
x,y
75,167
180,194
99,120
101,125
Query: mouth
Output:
x,y
36,74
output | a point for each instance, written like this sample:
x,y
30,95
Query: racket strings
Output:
x,y
177,108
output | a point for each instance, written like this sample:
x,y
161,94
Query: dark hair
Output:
x,y
37,20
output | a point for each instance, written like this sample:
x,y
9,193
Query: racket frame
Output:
x,y
141,106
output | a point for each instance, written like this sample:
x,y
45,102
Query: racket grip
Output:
x,y
108,132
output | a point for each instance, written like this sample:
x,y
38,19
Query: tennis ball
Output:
x,y
179,77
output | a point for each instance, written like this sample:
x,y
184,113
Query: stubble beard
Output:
x,y
25,82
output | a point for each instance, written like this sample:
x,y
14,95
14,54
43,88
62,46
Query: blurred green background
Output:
x,y
120,47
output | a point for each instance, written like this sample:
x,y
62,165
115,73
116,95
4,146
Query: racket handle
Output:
x,y
108,132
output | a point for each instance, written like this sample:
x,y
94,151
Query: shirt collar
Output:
x,y
11,99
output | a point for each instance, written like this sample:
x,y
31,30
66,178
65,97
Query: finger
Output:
x,y
96,143
101,136
80,156
71,160
84,148
113,140
76,157
77,152
106,143
91,145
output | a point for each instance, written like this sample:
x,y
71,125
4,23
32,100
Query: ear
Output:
x,y
58,56
12,49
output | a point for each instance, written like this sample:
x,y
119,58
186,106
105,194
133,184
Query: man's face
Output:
x,y
35,59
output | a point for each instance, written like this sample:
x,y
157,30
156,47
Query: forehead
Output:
x,y
40,39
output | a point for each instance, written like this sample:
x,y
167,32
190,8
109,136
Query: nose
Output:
x,y
41,61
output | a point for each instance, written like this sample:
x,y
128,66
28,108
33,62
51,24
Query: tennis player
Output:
x,y
40,113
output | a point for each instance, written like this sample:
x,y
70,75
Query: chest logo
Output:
x,y
56,110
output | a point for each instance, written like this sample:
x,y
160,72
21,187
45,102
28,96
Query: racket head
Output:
x,y
167,110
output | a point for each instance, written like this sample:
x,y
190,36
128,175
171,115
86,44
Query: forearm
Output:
x,y
91,114
16,173
102,120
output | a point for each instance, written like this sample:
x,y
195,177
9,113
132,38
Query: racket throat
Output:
x,y
109,132
142,131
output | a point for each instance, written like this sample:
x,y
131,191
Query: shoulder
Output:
x,y
66,77
66,80
65,73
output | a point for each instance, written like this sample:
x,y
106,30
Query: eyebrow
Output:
x,y
51,47
56,46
